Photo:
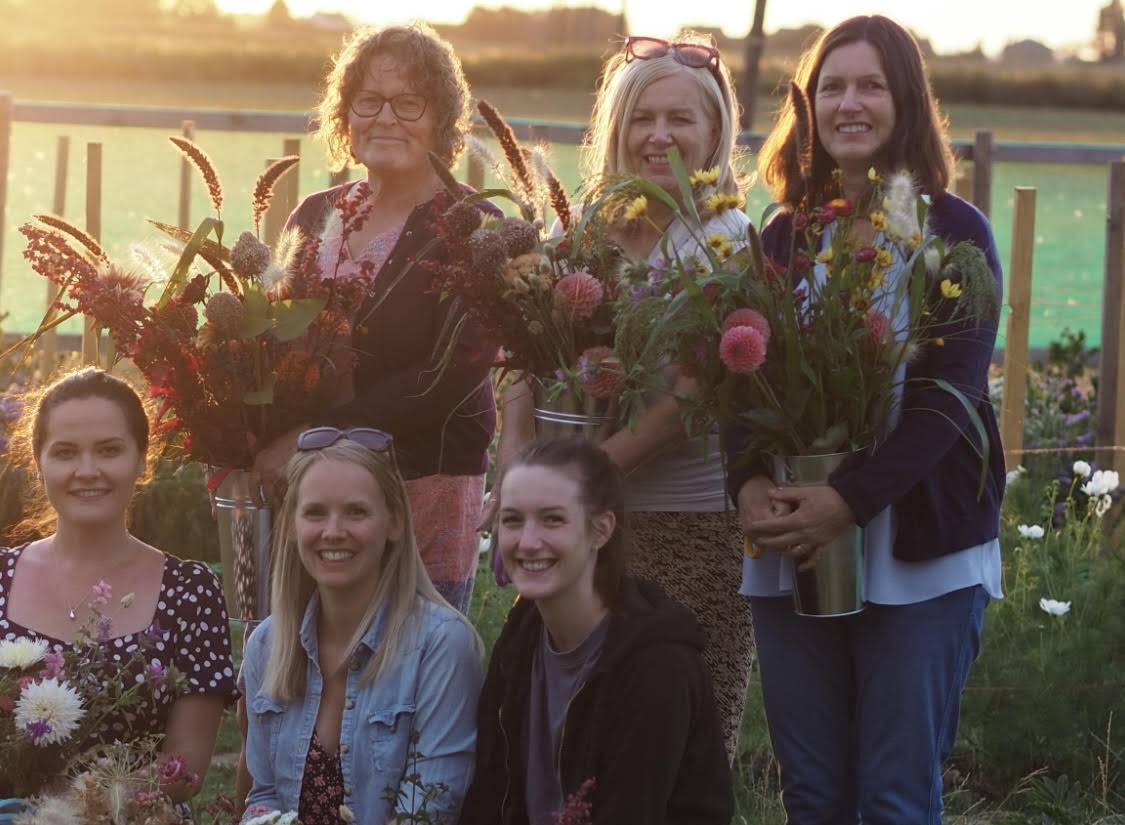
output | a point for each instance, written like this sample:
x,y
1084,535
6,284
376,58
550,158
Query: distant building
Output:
x,y
1027,53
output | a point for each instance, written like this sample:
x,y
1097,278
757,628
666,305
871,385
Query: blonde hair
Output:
x,y
426,59
402,578
621,86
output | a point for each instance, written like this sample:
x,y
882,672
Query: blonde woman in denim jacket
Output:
x,y
363,675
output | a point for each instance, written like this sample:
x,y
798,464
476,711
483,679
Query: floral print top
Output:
x,y
322,789
189,631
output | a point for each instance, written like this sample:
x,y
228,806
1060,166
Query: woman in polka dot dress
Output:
x,y
87,437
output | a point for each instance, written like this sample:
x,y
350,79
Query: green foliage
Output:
x,y
173,512
1038,715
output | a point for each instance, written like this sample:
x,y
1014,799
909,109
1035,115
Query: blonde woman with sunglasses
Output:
x,y
654,95
363,680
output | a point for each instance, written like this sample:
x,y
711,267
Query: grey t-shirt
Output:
x,y
555,677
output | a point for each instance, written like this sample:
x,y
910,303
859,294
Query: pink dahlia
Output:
x,y
578,295
876,324
600,373
748,318
742,349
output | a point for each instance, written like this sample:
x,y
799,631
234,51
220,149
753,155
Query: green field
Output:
x,y
141,178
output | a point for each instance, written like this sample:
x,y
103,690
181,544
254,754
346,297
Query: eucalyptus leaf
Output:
x,y
292,317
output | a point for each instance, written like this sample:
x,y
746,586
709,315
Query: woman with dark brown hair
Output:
x,y
863,708
596,686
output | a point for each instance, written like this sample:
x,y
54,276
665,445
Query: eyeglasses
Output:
x,y
320,437
693,55
406,106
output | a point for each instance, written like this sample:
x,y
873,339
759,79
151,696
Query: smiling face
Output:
x,y
89,462
385,143
855,112
343,525
669,112
548,542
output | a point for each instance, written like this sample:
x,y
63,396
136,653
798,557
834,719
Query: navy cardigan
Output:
x,y
929,467
439,426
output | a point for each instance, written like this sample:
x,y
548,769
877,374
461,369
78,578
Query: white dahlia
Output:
x,y
50,709
22,653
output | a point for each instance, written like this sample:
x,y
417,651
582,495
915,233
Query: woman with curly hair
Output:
x,y
394,96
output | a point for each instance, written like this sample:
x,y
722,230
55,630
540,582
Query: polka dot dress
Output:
x,y
189,632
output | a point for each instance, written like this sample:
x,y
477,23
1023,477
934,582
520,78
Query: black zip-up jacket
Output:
x,y
644,724
442,416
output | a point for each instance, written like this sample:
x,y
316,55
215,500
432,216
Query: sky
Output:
x,y
953,25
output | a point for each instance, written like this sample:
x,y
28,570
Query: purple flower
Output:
x,y
105,624
102,593
52,665
38,729
155,674
155,632
1077,418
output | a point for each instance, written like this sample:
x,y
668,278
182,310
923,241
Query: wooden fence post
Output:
x,y
963,182
94,227
49,343
1111,404
982,171
186,173
1014,402
283,202
290,184
5,155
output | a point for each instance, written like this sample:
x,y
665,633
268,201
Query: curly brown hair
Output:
x,y
432,68
918,143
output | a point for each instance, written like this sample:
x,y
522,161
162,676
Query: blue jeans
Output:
x,y
863,710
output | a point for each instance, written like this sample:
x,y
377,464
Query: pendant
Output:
x,y
70,614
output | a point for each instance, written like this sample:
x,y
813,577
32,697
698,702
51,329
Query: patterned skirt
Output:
x,y
445,511
697,559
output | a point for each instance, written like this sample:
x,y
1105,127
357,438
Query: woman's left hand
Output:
x,y
818,516
267,476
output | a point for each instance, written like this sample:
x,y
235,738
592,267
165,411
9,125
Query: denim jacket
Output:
x,y
432,691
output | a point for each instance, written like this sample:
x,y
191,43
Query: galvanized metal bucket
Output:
x,y
245,532
834,587
566,413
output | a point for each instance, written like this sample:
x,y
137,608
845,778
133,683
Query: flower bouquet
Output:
x,y
54,703
240,346
809,359
236,353
548,299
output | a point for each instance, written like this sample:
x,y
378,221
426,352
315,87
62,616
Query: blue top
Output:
x,y
431,691
920,488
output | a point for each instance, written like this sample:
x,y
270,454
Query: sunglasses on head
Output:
x,y
320,437
693,55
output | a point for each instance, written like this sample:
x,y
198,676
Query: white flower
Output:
x,y
1053,607
1015,474
1101,482
1030,531
901,207
54,703
273,818
1103,505
22,653
1081,469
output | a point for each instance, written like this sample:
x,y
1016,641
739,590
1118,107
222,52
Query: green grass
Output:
x,y
141,178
